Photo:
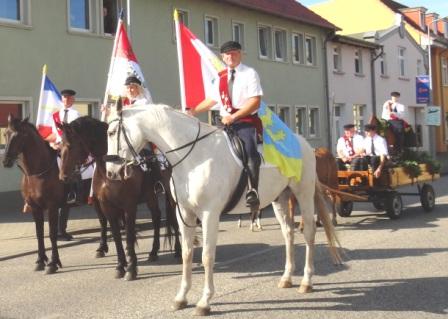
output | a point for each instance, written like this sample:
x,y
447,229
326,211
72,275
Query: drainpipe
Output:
x,y
373,58
328,37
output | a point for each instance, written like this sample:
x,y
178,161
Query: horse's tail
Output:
x,y
324,214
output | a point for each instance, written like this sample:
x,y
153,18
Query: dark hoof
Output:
x,y
153,258
100,254
39,266
200,311
51,269
179,305
119,273
131,275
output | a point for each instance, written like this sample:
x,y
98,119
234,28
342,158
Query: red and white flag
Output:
x,y
199,67
123,64
50,101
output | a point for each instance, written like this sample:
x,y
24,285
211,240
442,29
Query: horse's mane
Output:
x,y
32,127
91,130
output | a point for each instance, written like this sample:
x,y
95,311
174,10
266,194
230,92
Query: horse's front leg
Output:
x,y
103,247
42,258
52,267
113,217
131,270
210,237
156,217
282,213
187,228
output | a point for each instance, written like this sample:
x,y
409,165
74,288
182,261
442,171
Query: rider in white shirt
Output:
x,y
349,149
375,149
394,113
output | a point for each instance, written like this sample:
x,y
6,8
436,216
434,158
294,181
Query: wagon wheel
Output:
x,y
427,197
394,205
346,209
380,205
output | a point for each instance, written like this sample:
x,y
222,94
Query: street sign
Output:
x,y
433,115
422,89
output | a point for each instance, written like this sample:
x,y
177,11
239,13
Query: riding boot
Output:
x,y
252,199
62,226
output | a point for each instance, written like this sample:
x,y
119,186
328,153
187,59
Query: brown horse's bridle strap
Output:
x,y
38,174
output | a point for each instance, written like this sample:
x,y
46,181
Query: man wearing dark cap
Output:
x,y
66,114
394,113
375,149
349,149
239,102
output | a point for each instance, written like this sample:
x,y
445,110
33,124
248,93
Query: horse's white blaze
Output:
x,y
206,179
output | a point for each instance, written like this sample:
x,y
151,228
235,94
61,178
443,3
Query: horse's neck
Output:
x,y
37,156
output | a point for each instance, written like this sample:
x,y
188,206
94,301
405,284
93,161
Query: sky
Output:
x,y
437,6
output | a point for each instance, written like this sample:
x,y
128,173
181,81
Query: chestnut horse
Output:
x,y
41,187
113,198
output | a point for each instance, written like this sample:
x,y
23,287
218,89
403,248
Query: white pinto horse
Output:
x,y
205,174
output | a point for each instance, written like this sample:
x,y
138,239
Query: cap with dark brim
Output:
x,y
68,92
395,93
132,80
369,127
230,46
349,126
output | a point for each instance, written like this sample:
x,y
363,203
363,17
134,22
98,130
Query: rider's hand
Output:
x,y
228,119
190,112
377,173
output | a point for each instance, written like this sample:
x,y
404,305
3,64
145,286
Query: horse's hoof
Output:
x,y
179,305
201,311
119,273
285,284
39,266
304,289
100,254
153,258
51,269
130,275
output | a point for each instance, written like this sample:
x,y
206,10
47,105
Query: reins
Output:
x,y
38,174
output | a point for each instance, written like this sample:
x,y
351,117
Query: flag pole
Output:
x,y
180,61
128,18
114,50
39,107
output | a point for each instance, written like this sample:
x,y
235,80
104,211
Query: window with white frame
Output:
x,y
110,16
423,20
358,116
211,31
17,109
79,11
445,29
420,69
297,48
280,44
85,108
15,11
313,122
264,41
284,114
445,71
401,61
337,58
358,61
183,16
310,50
238,33
300,120
383,65
273,108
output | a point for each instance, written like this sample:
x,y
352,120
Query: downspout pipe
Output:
x,y
328,38
372,76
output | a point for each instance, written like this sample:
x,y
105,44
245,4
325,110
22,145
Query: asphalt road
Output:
x,y
393,269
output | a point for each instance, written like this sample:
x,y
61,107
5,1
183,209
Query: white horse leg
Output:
x,y
306,200
281,212
210,230
180,302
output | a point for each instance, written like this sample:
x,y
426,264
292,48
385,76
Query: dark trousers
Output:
x,y
356,164
248,134
398,129
374,161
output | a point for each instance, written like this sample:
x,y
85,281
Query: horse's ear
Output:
x,y
10,118
26,120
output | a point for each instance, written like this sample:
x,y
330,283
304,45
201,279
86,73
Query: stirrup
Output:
x,y
159,188
71,198
252,198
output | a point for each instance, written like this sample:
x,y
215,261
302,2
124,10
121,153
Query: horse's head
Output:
x,y
124,142
15,136
73,152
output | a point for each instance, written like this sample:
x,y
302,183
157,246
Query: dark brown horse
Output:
x,y
41,187
112,198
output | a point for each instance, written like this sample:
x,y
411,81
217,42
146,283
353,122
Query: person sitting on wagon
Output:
x,y
393,113
375,150
349,149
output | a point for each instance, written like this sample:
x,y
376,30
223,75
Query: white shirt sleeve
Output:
x,y
400,110
340,147
386,114
381,146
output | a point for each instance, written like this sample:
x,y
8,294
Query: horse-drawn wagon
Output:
x,y
384,193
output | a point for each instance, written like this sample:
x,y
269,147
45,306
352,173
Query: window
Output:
x,y
238,33
445,71
358,116
383,65
445,29
211,31
273,108
358,61
284,115
15,11
183,16
85,108
337,58
80,14
300,120
310,50
420,69
423,20
6,107
214,118
264,41
280,44
401,61
337,122
313,123
110,16
297,48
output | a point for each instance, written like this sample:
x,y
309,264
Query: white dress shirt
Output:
x,y
397,109
72,115
357,142
379,144
246,85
